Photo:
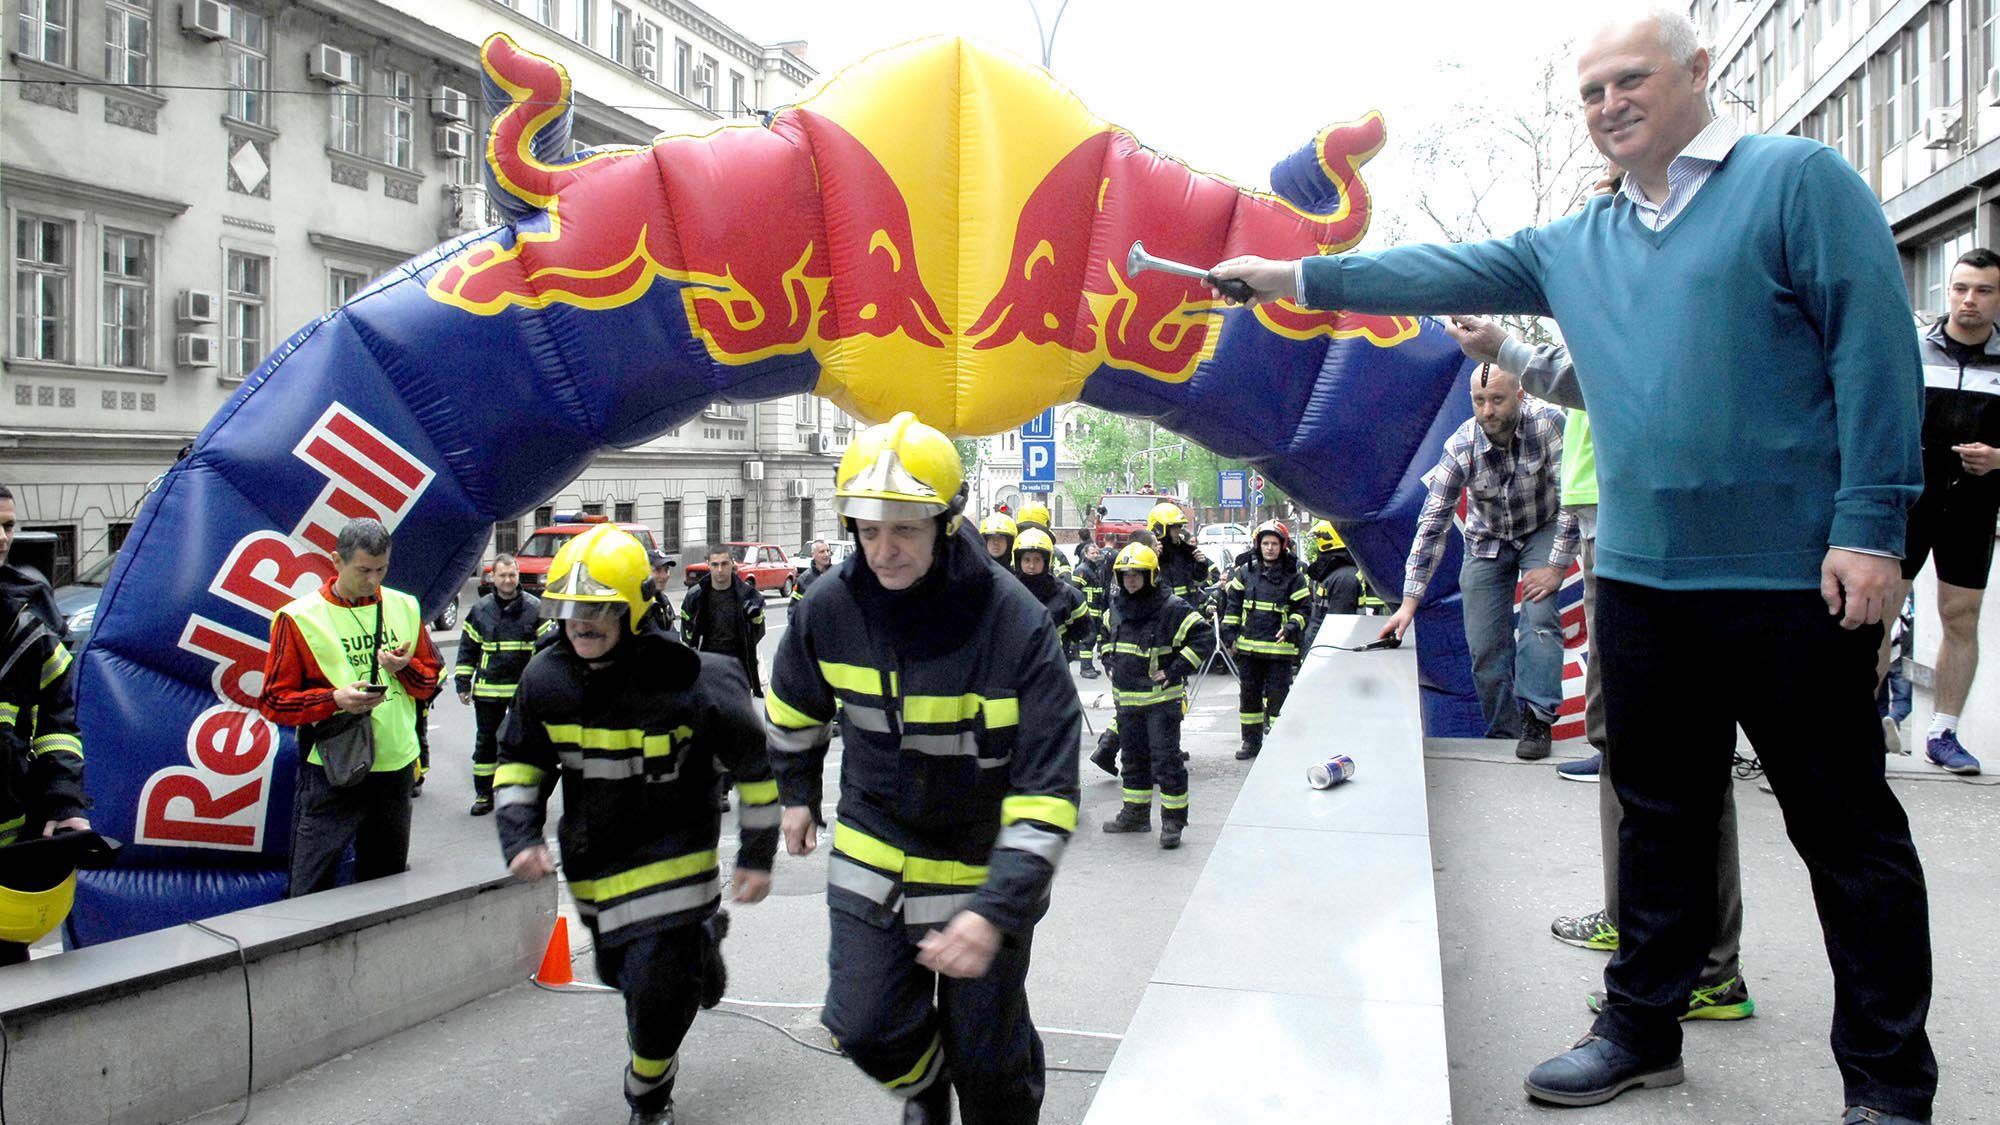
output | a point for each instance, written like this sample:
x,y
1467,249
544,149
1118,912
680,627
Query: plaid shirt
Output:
x,y
1514,491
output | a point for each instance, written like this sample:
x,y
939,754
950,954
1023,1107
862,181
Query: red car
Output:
x,y
763,565
539,550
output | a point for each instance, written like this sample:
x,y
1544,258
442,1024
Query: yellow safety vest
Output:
x,y
341,640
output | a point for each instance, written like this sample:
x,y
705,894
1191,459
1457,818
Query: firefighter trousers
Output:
x,y
1263,682
1149,748
660,975
487,714
909,1029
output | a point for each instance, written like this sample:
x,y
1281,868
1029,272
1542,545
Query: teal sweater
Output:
x,y
1751,371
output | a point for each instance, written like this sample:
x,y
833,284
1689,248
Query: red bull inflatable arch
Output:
x,y
939,229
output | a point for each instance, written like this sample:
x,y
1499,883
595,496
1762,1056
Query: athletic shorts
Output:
x,y
1953,521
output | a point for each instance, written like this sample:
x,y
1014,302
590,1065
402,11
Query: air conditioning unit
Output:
x,y
703,75
822,443
208,19
1941,127
798,489
331,65
452,140
451,104
753,470
195,306
194,349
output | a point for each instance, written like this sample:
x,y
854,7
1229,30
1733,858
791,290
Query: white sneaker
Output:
x,y
1892,737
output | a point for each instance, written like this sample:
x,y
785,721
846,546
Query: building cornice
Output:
x,y
18,178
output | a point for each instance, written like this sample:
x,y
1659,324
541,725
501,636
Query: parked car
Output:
x,y
77,601
537,551
1222,542
763,565
838,548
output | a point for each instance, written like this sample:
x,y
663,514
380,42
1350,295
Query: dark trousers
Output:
x,y
374,816
660,975
909,1029
13,953
1263,682
1809,711
1149,753
423,737
487,715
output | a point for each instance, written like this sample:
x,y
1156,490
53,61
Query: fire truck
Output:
x,y
1119,514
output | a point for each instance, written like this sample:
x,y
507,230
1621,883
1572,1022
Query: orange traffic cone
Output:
x,y
555,971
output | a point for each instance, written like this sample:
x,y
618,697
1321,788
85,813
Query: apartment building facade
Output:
x,y
188,182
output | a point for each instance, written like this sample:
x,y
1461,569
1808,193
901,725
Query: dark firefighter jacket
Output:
x,y
495,645
959,723
41,753
1264,606
1147,632
1186,573
636,744
1065,602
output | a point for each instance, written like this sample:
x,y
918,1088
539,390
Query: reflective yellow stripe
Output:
x,y
600,738
1002,712
785,715
855,678
1146,698
511,646
757,792
8,713
858,845
472,631
940,708
53,743
923,1066
517,773
639,878
484,690
1273,648
55,665
1049,810
650,1068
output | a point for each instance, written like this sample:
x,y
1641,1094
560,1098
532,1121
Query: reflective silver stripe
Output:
x,y
930,1075
871,719
516,795
658,904
994,763
1981,380
933,910
639,1087
797,741
614,769
871,885
758,816
964,743
1023,837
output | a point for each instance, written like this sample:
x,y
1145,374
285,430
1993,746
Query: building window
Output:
x,y
115,533
545,515
806,535
1935,260
344,119
586,20
128,299
736,518
808,410
248,289
45,27
737,105
621,34
594,508
621,511
1945,32
545,11
399,122
1984,38
128,41
670,526
342,285
683,58
64,571
506,537
44,264
713,531
247,63
708,91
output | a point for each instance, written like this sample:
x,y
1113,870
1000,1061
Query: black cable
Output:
x,y
249,1021
1375,645
3,1072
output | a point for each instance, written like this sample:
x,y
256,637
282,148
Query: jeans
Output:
x,y
1808,709
1510,675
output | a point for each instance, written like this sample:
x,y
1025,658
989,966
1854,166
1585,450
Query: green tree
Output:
x,y
1106,445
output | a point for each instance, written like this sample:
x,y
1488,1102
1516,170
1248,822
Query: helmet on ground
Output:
x,y
1139,557
599,576
1035,539
901,470
1035,513
27,915
1277,528
1163,516
999,523
1325,537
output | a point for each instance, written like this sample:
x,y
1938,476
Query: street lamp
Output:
x,y
1047,37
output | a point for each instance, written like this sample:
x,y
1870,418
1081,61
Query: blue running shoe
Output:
x,y
1944,751
1582,769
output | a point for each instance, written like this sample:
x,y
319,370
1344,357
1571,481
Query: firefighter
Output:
x,y
958,783
1185,571
822,562
1094,572
497,640
635,725
1153,641
1264,606
1036,515
1062,598
999,530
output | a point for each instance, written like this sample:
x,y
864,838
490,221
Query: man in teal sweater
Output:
x,y
1738,322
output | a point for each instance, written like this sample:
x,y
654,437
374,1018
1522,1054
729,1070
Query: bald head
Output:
x,y
1642,76
1496,402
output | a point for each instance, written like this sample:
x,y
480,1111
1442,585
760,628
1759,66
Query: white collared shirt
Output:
x,y
1687,173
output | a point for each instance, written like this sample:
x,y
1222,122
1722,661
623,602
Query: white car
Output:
x,y
1222,542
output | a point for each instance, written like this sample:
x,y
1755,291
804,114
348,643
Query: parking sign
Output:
x,y
1038,464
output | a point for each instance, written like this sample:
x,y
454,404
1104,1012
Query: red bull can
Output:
x,y
1331,772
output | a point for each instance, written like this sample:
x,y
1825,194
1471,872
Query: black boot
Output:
x,y
1535,737
482,804
1170,829
1131,818
714,974
663,1116
1087,670
932,1107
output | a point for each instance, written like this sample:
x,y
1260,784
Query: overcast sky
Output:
x,y
1227,95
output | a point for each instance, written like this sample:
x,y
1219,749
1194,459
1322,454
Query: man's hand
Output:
x,y
465,697
354,701
1863,585
532,865
1610,181
1978,459
1478,337
964,950
1272,281
396,659
751,886
1399,621
1159,677
71,824
796,826
1540,582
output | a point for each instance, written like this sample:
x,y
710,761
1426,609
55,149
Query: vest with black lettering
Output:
x,y
342,640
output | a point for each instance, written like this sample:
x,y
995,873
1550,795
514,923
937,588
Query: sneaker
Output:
x,y
1588,931
1892,737
481,806
1729,1000
1583,769
1535,738
1944,751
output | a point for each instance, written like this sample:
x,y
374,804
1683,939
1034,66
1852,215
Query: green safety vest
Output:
x,y
341,639
1579,469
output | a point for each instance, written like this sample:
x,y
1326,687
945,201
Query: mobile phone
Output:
x,y
375,689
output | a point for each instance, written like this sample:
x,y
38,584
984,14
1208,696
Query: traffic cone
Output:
x,y
555,971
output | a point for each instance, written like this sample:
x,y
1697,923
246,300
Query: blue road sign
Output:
x,y
1038,464
1230,486
1256,497
1041,426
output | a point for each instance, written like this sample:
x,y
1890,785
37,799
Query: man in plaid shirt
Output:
x,y
1508,459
